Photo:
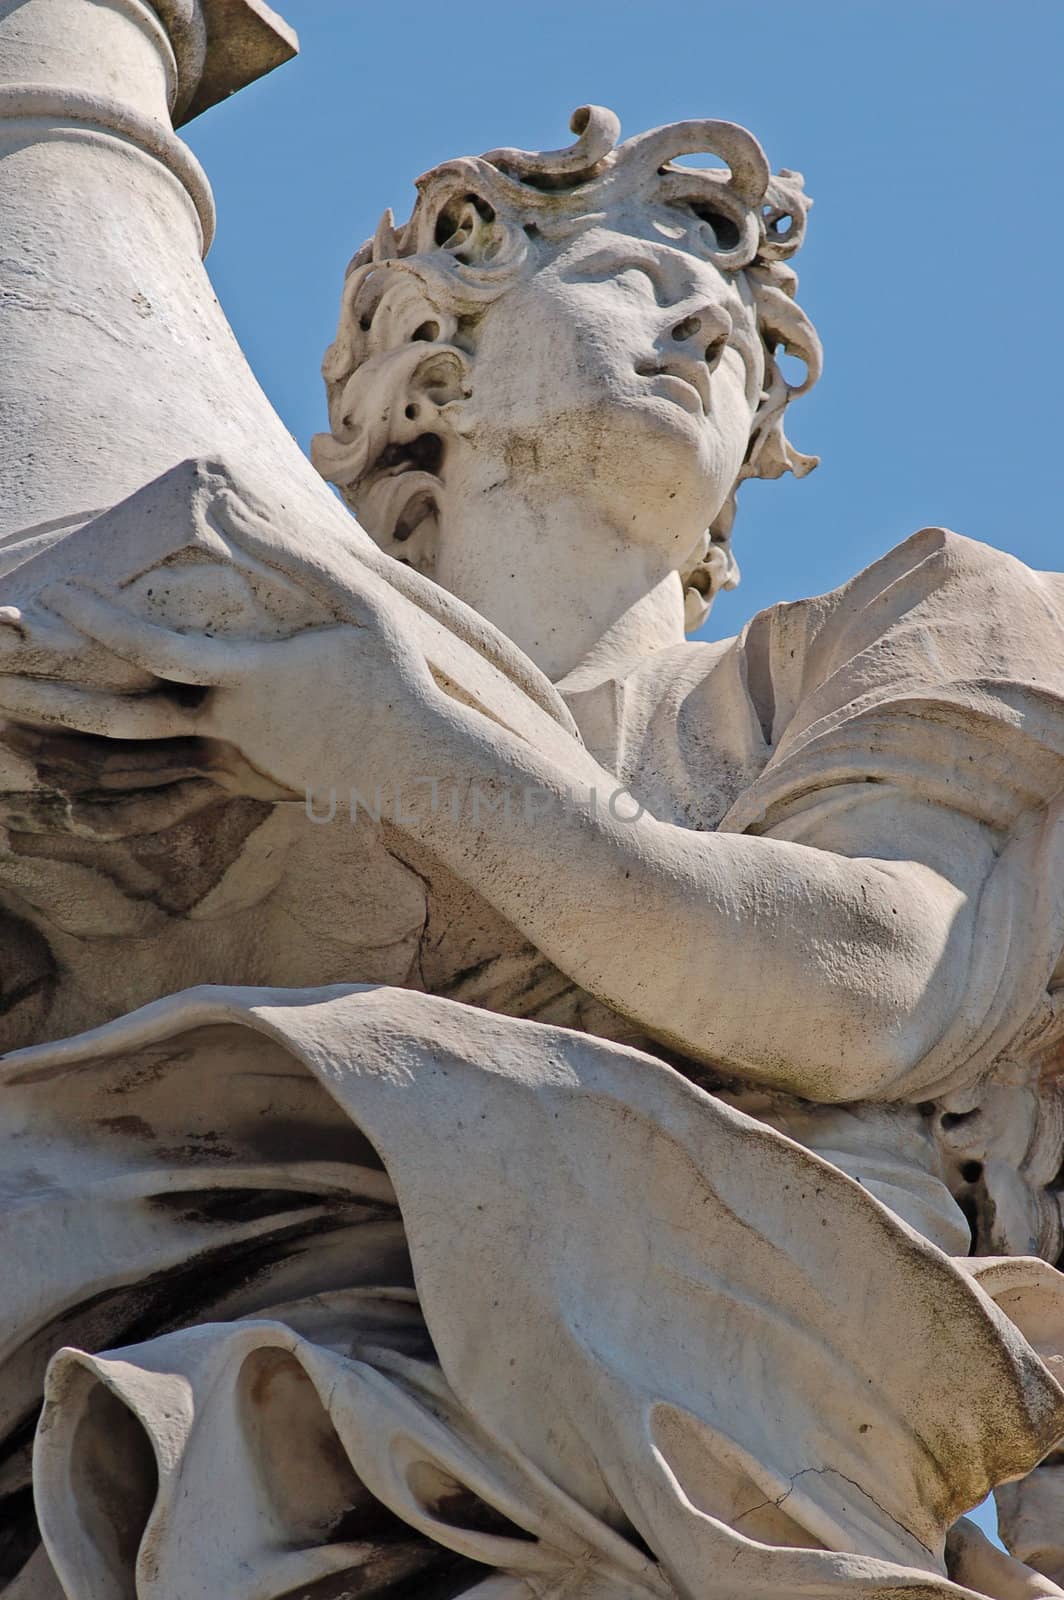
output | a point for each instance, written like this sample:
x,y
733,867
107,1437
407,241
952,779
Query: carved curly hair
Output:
x,y
405,349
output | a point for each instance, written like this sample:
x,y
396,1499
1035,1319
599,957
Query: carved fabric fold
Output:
x,y
650,1322
933,680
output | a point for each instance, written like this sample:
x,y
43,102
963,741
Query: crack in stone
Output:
x,y
819,1472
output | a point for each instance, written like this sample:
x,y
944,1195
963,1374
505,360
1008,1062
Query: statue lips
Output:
x,y
682,379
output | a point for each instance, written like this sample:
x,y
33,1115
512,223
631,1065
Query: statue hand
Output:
x,y
326,706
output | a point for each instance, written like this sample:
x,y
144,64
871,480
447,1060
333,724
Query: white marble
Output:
x,y
602,1138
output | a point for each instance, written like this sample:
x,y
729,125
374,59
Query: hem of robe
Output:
x,y
650,1303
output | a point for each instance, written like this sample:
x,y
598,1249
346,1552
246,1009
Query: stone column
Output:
x,y
117,361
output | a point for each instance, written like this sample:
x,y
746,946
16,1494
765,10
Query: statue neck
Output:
x,y
117,359
567,586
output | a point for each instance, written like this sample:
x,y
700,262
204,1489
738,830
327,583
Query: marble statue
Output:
x,y
501,1099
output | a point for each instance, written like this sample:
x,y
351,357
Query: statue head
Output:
x,y
601,319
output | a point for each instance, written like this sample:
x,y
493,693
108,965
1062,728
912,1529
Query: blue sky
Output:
x,y
931,138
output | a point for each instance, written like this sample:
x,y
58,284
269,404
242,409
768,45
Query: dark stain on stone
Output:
x,y
133,1127
28,977
188,859
238,1206
146,814
19,1535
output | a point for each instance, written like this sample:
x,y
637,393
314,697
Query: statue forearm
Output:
x,y
816,972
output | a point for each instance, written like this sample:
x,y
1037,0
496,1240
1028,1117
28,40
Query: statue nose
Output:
x,y
709,328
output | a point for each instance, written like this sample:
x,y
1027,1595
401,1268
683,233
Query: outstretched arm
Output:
x,y
826,971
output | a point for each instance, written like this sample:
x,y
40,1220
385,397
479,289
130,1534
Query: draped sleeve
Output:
x,y
938,673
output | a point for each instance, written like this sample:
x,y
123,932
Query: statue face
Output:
x,y
624,369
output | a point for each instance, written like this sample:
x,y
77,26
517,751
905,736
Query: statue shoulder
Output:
x,y
937,560
938,608
940,666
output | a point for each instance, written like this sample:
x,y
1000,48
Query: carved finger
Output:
x,y
352,597
179,657
111,716
38,644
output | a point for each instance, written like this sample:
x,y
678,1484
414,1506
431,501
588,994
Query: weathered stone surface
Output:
x,y
552,1109
244,40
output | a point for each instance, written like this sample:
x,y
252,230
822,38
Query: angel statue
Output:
x,y
623,1161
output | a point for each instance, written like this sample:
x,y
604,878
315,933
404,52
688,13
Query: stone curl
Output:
x,y
403,358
